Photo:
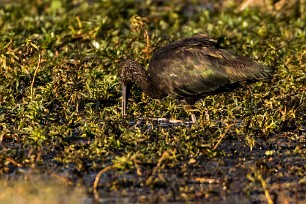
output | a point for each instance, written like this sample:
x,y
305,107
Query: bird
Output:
x,y
190,69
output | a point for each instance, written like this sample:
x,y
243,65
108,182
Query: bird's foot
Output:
x,y
171,121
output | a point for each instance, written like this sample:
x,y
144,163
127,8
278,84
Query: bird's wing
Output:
x,y
196,66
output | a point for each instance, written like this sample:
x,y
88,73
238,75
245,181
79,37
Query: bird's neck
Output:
x,y
143,80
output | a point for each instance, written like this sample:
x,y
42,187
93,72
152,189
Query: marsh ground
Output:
x,y
60,116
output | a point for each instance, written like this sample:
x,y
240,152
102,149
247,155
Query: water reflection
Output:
x,y
37,189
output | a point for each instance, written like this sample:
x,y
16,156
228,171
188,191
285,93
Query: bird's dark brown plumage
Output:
x,y
190,68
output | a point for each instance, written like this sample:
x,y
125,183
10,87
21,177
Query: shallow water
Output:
x,y
223,179
52,189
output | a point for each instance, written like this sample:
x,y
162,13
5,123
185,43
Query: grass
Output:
x,y
60,111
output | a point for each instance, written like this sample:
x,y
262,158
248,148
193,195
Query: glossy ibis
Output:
x,y
190,68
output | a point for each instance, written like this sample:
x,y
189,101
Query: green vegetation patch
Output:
x,y
60,101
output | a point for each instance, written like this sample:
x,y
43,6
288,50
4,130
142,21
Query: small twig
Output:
x,y
138,170
35,73
147,49
164,156
100,174
222,136
14,162
61,178
207,180
264,186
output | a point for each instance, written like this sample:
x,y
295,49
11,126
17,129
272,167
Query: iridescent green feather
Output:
x,y
197,66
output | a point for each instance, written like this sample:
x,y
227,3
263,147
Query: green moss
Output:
x,y
60,97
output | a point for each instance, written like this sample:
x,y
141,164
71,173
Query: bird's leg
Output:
x,y
193,118
190,109
191,101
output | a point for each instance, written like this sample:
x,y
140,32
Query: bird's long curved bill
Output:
x,y
124,99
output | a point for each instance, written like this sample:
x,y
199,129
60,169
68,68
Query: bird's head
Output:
x,y
127,70
127,73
